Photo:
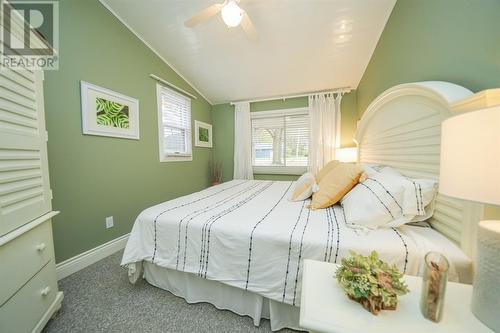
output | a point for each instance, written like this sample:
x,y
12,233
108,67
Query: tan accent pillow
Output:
x,y
304,187
340,180
325,170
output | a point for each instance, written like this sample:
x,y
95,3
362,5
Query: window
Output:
x,y
174,125
280,141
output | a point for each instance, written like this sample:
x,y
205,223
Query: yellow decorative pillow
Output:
x,y
325,170
332,187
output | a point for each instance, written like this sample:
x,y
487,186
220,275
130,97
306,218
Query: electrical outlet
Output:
x,y
109,222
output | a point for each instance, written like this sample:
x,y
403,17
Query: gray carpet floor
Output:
x,y
99,298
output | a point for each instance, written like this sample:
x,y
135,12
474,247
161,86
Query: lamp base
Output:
x,y
486,291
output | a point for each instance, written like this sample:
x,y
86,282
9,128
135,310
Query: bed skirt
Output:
x,y
195,289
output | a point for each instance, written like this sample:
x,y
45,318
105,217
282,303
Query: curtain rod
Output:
x,y
171,85
340,90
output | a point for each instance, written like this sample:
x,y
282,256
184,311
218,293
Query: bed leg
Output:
x,y
134,272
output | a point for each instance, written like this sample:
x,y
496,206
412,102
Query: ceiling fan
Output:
x,y
232,15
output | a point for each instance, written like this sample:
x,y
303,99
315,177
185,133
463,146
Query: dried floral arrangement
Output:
x,y
371,282
216,172
433,290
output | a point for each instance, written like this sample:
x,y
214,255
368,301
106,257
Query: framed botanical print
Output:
x,y
203,134
108,113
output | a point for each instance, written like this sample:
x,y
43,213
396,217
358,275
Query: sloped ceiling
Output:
x,y
303,45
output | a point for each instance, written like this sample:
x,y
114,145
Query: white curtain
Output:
x,y
324,129
242,142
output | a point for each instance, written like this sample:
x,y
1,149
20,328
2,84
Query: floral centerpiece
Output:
x,y
371,282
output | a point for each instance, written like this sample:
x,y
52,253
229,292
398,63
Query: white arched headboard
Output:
x,y
402,128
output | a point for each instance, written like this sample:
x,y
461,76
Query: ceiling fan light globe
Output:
x,y
231,14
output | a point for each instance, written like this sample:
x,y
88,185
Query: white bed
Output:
x,y
240,245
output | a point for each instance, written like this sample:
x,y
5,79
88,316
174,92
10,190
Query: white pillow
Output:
x,y
390,171
371,170
384,200
304,187
426,189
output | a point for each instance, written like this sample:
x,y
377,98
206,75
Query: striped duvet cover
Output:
x,y
247,234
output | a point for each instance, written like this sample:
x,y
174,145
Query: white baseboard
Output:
x,y
78,262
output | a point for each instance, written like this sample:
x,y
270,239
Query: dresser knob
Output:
x,y
45,291
40,247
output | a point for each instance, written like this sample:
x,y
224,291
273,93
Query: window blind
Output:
x,y
176,120
280,141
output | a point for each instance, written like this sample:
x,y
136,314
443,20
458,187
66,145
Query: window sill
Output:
x,y
176,158
277,170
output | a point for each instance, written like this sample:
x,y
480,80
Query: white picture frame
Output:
x,y
101,114
202,134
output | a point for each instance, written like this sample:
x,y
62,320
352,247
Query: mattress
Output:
x,y
248,235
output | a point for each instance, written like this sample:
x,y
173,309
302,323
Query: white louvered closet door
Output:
x,y
24,181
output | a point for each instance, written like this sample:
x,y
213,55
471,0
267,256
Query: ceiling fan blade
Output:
x,y
204,15
248,27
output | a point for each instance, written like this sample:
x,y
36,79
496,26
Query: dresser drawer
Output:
x,y
21,312
22,257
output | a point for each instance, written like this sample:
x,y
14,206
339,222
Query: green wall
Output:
x,y
446,40
92,176
223,125
223,138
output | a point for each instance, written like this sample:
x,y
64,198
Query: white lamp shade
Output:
x,y
470,156
347,154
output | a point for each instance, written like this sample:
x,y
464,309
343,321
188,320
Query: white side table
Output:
x,y
325,308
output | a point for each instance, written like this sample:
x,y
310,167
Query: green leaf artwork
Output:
x,y
111,113
203,134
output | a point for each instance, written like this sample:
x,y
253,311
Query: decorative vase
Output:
x,y
486,291
434,286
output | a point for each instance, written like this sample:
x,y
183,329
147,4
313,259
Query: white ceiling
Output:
x,y
300,46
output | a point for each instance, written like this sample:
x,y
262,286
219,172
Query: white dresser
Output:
x,y
28,285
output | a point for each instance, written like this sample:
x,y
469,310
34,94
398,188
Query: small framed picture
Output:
x,y
108,113
203,134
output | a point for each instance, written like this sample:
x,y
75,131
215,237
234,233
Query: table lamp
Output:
x,y
470,170
349,154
